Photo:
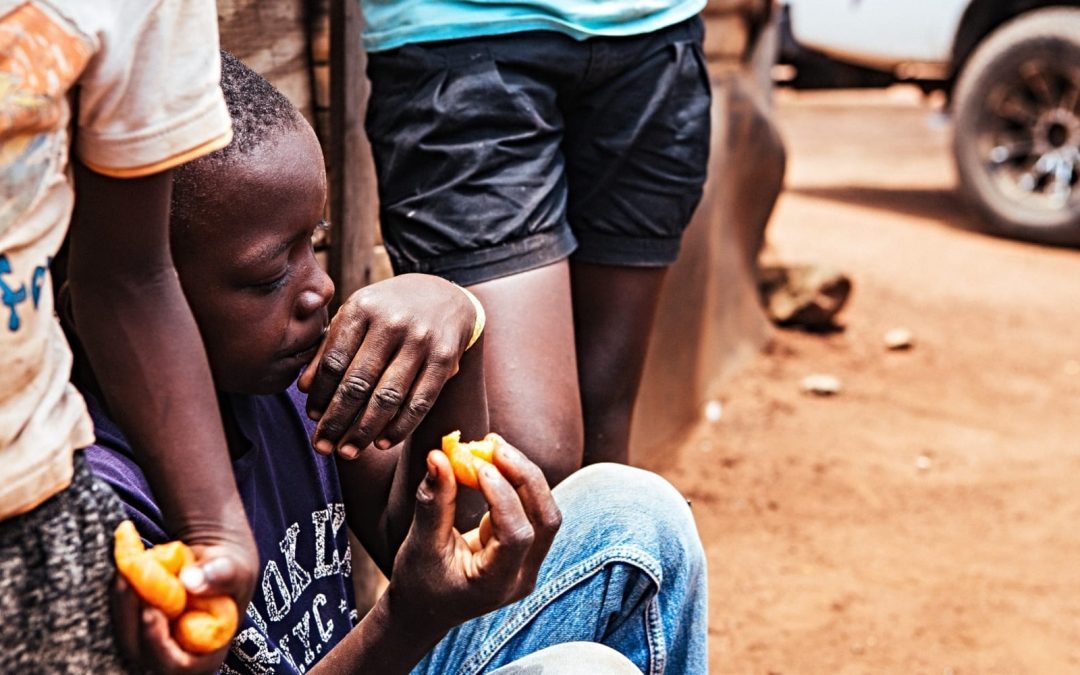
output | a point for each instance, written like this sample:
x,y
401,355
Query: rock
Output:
x,y
821,384
899,338
803,296
713,411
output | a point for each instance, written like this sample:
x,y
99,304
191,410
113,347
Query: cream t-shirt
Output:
x,y
147,74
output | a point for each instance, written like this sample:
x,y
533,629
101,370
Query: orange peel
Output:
x,y
146,574
199,624
207,624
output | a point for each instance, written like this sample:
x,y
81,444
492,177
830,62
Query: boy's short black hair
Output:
x,y
258,110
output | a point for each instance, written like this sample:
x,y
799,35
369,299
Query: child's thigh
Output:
x,y
56,573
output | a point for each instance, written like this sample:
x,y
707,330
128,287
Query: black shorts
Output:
x,y
503,154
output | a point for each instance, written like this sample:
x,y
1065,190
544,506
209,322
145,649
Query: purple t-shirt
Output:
x,y
303,603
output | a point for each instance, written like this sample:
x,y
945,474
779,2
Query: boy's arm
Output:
x,y
144,346
440,578
380,487
389,361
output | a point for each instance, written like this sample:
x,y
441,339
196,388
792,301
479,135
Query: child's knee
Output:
x,y
614,504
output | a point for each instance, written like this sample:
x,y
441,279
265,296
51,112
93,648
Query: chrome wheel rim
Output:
x,y
1029,137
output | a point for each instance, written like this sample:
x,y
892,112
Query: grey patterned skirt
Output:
x,y
56,572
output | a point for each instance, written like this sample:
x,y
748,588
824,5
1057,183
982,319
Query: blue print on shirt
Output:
x,y
11,296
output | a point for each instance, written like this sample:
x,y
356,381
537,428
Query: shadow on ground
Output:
x,y
938,204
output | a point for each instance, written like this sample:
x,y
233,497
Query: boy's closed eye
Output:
x,y
273,284
270,269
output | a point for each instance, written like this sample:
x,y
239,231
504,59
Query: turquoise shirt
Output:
x,y
393,23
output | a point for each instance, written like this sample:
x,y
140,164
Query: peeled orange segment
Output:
x,y
207,625
146,574
199,625
173,556
468,458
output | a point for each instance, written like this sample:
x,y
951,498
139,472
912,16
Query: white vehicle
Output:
x,y
1012,69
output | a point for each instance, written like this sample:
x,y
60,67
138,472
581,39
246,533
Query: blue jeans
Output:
x,y
626,570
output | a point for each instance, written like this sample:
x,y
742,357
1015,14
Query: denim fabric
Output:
x,y
571,658
626,570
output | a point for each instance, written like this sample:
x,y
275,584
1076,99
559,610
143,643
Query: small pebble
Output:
x,y
821,384
899,338
714,411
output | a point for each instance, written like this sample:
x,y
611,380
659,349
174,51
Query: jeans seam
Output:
x,y
657,652
535,603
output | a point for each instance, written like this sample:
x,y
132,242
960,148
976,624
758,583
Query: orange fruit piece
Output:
x,y
146,574
173,556
468,458
199,624
208,624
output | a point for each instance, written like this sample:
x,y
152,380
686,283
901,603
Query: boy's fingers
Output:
x,y
354,388
308,376
391,396
159,650
426,389
512,534
536,498
338,348
162,653
433,520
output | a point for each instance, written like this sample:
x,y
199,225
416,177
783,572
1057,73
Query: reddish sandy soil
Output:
x,y
926,519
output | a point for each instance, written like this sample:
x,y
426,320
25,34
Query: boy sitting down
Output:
x,y
611,556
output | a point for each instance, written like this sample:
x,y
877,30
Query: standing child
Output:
x,y
547,155
130,89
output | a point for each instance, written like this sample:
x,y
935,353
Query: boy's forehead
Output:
x,y
258,199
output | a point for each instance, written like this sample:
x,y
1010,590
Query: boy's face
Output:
x,y
248,267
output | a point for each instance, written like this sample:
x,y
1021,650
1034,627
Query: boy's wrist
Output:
x,y
408,617
481,317
402,630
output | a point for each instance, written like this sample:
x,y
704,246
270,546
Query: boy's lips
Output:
x,y
306,353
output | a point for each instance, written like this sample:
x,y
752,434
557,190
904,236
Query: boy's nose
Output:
x,y
317,296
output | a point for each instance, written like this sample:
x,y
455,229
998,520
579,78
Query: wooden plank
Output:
x,y
353,198
353,206
270,37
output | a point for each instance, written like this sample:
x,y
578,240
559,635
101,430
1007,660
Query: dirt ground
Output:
x,y
926,519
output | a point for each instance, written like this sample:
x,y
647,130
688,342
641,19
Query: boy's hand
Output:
x,y
143,634
442,578
222,569
385,358
143,631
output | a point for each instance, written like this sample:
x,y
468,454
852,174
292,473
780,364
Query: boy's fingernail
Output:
x,y
384,444
349,451
314,415
324,446
193,578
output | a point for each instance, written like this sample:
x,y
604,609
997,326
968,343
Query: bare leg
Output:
x,y
614,309
530,368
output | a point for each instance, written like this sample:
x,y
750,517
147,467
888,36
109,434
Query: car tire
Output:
x,y
1017,127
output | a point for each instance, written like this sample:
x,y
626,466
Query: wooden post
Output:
x,y
353,198
353,205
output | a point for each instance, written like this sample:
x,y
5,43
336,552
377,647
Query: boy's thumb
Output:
x,y
216,575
